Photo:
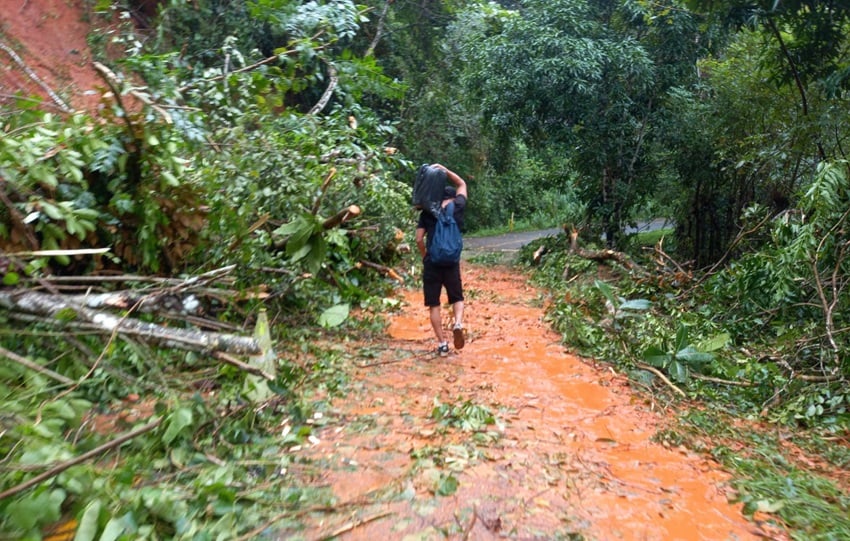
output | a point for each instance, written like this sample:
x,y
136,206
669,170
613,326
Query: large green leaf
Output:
x,y
606,290
692,356
179,420
636,304
88,526
718,341
656,357
681,338
678,371
335,315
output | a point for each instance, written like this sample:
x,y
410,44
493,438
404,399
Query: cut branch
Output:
x,y
160,302
325,185
601,255
720,381
662,377
113,81
386,271
245,367
341,217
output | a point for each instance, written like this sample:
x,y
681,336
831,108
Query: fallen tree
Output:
x,y
71,310
111,313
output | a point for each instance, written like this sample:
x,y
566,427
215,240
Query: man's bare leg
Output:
x,y
457,308
437,323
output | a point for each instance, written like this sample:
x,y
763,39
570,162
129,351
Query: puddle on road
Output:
x,y
575,456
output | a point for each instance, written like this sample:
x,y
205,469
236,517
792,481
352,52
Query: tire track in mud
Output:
x,y
574,457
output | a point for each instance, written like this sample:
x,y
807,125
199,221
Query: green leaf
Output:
x,y
11,278
86,213
681,338
169,178
316,255
87,528
636,304
35,509
690,355
113,530
51,210
447,485
606,290
177,421
718,341
678,371
66,314
656,357
299,235
335,315
300,253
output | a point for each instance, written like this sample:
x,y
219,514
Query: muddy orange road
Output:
x,y
574,457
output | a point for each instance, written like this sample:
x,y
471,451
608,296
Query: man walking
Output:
x,y
437,277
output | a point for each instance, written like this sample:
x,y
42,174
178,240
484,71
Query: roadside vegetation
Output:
x,y
180,266
731,381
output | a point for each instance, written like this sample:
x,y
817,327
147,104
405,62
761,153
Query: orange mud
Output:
x,y
49,37
575,456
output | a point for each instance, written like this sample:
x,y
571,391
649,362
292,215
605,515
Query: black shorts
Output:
x,y
434,278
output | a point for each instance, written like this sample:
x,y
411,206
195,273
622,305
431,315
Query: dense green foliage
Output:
x,y
222,155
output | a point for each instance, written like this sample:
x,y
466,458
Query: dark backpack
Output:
x,y
428,187
446,243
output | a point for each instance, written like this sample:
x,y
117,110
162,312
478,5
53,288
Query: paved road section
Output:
x,y
509,242
512,242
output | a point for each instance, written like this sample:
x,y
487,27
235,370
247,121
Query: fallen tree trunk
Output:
x,y
164,302
63,309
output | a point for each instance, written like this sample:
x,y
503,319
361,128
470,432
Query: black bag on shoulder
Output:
x,y
428,187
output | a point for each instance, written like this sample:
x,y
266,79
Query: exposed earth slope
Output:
x,y
46,54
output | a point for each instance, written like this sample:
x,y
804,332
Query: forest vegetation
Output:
x,y
238,201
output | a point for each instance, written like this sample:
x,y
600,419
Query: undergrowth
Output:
x,y
784,437
202,460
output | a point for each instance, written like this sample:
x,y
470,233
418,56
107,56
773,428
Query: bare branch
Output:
x,y
19,61
662,377
114,81
326,97
23,361
380,29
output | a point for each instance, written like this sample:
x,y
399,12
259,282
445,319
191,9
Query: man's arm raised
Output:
x,y
455,179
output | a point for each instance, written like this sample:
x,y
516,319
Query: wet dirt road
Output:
x,y
571,456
